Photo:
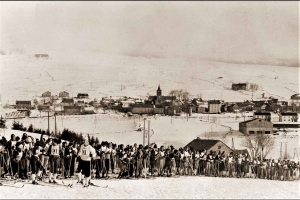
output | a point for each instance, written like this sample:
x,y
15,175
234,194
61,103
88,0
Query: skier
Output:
x,y
86,153
54,158
35,164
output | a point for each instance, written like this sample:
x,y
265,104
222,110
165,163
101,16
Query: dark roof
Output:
x,y
214,101
23,102
67,100
82,94
253,120
167,97
295,96
250,120
289,114
142,106
80,101
240,84
198,144
262,113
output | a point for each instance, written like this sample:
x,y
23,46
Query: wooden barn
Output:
x,y
209,145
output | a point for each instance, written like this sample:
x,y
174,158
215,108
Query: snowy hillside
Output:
x,y
23,77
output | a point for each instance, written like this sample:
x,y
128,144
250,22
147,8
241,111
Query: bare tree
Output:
x,y
259,144
35,102
180,94
253,87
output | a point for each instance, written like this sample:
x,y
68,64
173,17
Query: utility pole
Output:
x,y
144,132
280,150
286,154
48,124
55,122
148,132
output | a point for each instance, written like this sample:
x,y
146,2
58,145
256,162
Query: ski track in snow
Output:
x,y
159,188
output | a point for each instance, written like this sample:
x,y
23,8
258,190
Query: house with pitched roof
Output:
x,y
214,106
209,145
288,117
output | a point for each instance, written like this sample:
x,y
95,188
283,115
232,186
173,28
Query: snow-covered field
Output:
x,y
159,188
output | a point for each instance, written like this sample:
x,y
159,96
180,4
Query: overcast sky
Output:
x,y
229,31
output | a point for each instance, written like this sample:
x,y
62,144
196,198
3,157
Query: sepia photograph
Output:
x,y
149,100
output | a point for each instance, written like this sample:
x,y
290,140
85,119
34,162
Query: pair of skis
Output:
x,y
90,184
11,184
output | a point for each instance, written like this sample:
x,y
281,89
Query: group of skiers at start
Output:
x,y
20,156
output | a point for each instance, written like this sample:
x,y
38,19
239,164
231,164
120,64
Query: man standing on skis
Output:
x,y
86,153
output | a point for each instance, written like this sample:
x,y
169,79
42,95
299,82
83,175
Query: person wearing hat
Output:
x,y
202,162
54,159
138,164
123,162
168,162
25,159
68,153
17,155
11,145
44,156
152,157
35,164
86,153
177,161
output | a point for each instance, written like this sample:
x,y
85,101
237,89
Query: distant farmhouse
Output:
x,y
214,106
82,96
240,86
46,56
288,117
295,100
23,104
64,94
262,115
46,94
67,102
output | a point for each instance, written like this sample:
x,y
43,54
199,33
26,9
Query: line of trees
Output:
x,y
66,134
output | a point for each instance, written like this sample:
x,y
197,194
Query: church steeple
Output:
x,y
158,91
